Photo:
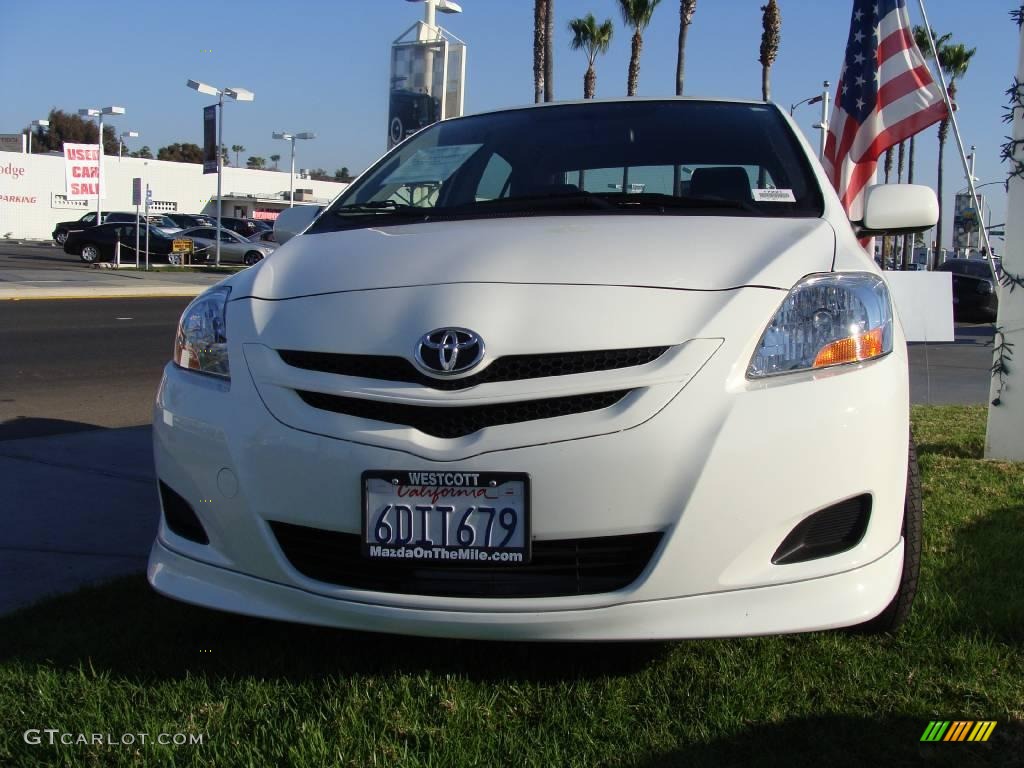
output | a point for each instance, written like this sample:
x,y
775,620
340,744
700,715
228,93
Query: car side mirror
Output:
x,y
294,221
897,209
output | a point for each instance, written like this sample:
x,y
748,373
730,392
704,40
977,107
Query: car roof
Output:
x,y
625,100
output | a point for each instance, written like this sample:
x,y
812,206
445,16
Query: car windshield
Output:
x,y
651,157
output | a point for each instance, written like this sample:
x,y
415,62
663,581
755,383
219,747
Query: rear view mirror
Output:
x,y
897,209
294,221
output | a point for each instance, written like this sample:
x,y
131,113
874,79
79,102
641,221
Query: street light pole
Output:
x,y
220,171
238,94
292,137
99,113
120,140
34,124
823,99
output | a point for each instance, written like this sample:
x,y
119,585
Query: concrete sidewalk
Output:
x,y
42,271
76,509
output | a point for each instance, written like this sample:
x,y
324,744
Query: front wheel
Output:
x,y
896,613
174,259
61,238
90,253
252,258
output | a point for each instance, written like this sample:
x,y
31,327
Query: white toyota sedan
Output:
x,y
604,370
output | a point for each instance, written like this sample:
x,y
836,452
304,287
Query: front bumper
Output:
x,y
825,603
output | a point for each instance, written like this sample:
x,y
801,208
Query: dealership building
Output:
x,y
34,195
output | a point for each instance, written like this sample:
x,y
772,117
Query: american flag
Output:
x,y
886,94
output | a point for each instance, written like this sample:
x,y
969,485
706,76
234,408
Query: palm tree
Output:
x,y
887,241
594,40
636,14
540,26
237,148
274,159
771,21
686,10
549,56
954,59
925,47
901,241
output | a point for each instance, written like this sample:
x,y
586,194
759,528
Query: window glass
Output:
x,y
715,158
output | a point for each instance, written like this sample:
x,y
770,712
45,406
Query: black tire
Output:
x,y
897,612
252,257
61,238
90,253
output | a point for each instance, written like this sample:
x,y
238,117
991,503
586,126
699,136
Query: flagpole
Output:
x,y
959,144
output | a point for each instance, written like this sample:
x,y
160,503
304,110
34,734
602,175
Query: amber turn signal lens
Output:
x,y
851,349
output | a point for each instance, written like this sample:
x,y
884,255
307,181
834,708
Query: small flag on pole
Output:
x,y
886,94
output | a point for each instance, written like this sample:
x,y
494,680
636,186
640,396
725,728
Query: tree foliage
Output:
x,y
593,39
771,35
686,10
636,14
71,128
256,162
184,152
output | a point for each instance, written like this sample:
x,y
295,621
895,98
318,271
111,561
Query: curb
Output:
x,y
37,294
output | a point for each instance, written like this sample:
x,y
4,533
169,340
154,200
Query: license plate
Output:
x,y
447,517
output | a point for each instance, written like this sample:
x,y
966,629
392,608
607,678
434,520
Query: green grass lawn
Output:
x,y
119,659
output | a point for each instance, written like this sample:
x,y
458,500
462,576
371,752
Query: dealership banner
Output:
x,y
210,139
82,171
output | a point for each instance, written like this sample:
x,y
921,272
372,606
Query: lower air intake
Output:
x,y
833,530
180,517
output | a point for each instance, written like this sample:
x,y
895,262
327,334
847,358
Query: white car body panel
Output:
x,y
724,466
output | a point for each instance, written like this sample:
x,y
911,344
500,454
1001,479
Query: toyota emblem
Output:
x,y
447,351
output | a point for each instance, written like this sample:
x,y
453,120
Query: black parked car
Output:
x,y
97,243
974,290
60,232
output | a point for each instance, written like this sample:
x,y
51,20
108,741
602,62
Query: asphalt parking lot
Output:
x,y
77,379
32,270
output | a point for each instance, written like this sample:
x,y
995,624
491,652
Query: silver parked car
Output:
x,y
234,248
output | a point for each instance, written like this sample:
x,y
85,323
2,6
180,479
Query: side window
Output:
x,y
494,180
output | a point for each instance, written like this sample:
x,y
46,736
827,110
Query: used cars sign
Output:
x,y
82,171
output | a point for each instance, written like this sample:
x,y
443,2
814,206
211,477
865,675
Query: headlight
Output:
x,y
202,340
826,320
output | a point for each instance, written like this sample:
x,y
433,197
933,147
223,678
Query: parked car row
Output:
x,y
99,244
168,223
234,249
975,299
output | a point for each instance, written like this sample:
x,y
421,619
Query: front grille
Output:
x,y
827,532
557,568
459,421
509,368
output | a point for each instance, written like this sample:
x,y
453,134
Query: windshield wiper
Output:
x,y
663,201
382,206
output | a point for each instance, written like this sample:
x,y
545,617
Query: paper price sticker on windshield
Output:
x,y
433,165
774,196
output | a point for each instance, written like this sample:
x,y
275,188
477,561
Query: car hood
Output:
x,y
667,251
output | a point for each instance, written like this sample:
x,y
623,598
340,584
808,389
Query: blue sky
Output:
x,y
323,66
